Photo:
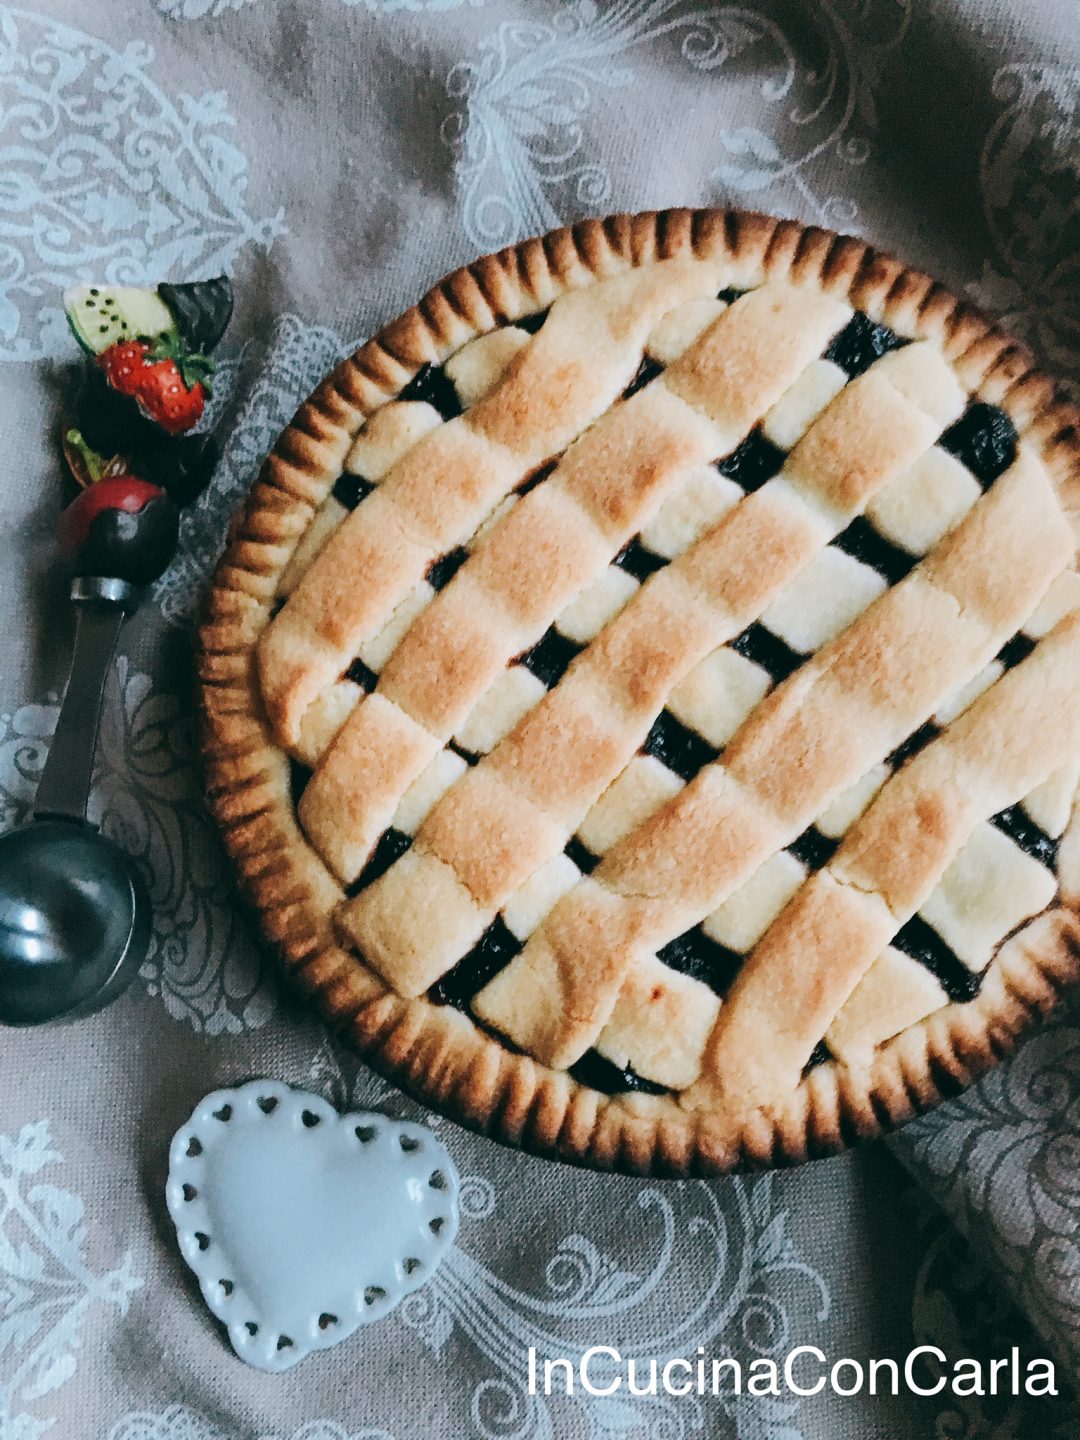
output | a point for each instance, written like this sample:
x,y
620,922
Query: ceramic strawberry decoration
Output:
x,y
147,379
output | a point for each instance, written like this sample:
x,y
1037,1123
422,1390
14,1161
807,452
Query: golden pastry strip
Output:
x,y
825,940
555,541
563,755
895,992
437,495
366,771
993,886
839,714
660,1025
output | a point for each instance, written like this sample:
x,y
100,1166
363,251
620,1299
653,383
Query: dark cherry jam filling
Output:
x,y
862,542
1015,650
752,462
916,741
469,756
432,385
492,952
299,775
391,846
349,490
678,747
759,644
581,855
531,323
600,1074
639,562
730,295
443,570
923,943
813,848
646,371
1018,825
536,477
860,343
360,674
695,954
550,656
820,1055
984,439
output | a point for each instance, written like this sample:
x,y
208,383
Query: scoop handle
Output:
x,y
101,606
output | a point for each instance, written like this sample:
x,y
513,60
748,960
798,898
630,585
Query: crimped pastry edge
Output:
x,y
437,1053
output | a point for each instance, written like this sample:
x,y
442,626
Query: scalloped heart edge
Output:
x,y
228,1301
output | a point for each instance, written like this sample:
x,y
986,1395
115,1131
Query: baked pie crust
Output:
x,y
641,693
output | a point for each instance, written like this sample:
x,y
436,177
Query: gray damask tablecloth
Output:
x,y
336,156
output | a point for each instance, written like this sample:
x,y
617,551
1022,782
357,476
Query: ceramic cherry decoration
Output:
x,y
122,527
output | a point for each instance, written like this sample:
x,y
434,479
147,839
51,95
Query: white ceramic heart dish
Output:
x,y
302,1224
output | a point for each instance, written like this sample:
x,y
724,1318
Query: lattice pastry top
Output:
x,y
643,692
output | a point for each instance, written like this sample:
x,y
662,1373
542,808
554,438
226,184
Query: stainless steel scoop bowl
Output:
x,y
74,912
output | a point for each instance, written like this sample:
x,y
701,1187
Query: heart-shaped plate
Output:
x,y
302,1224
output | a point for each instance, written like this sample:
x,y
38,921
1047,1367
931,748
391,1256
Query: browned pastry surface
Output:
x,y
641,693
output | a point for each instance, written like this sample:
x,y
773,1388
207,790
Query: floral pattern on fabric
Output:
x,y
203,9
739,1297
1029,174
821,108
698,1265
179,1422
519,130
47,1285
960,1306
106,177
1002,1160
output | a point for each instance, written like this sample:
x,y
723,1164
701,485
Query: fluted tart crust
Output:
x,y
641,693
